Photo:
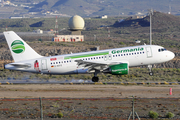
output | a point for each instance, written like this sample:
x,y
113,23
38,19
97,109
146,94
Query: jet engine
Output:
x,y
119,69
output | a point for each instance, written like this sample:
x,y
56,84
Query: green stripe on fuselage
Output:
x,y
86,55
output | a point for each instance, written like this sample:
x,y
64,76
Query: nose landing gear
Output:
x,y
150,70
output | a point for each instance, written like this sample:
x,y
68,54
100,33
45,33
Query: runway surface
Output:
x,y
82,82
88,91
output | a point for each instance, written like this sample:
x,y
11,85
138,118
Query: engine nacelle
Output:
x,y
119,69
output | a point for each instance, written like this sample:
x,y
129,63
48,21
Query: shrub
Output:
x,y
60,115
153,114
169,115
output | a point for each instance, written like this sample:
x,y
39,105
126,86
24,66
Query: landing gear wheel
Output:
x,y
150,70
151,73
95,79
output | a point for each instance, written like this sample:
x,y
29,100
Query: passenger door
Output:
x,y
149,52
44,65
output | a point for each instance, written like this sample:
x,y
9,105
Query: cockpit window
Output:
x,y
161,50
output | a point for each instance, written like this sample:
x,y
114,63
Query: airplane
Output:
x,y
114,61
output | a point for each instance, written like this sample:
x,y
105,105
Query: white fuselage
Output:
x,y
66,64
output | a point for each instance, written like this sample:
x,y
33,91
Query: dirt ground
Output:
x,y
90,102
87,91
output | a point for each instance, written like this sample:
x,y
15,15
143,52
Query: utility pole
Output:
x,y
41,107
108,32
133,113
94,37
150,14
170,7
56,26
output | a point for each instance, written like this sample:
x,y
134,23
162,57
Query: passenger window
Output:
x,y
129,53
64,61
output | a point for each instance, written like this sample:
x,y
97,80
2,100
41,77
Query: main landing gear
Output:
x,y
150,70
95,78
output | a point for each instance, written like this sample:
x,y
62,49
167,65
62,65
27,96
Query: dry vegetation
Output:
x,y
109,108
165,32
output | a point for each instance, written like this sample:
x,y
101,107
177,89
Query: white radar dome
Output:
x,y
76,23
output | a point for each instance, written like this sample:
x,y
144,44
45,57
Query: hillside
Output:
x,y
69,7
166,30
99,7
159,20
166,33
84,8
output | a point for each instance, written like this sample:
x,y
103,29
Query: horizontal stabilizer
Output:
x,y
20,65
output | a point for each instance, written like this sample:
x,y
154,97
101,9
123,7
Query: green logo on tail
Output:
x,y
18,46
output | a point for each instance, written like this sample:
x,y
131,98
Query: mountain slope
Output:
x,y
76,7
69,7
101,7
161,22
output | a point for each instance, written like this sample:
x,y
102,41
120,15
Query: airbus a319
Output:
x,y
114,61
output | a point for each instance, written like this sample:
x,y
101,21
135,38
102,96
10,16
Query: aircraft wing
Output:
x,y
95,65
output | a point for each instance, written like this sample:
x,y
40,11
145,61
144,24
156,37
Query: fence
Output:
x,y
86,108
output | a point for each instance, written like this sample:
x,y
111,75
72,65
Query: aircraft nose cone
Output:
x,y
171,55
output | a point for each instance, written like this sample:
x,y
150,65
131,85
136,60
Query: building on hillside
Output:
x,y
38,31
140,16
76,25
51,31
69,38
104,17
